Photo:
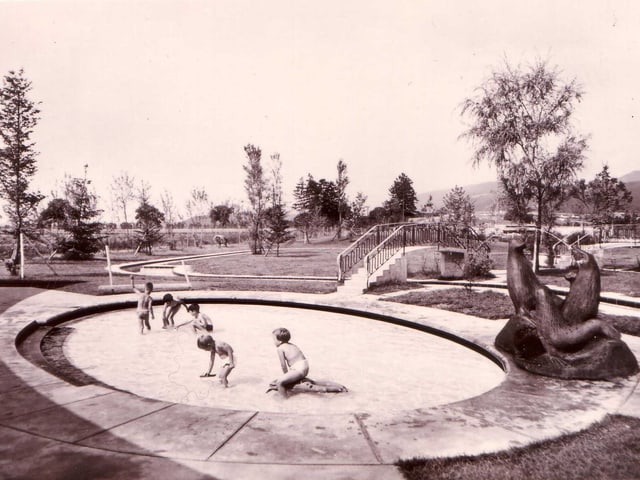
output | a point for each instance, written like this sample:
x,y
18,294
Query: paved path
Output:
x,y
52,429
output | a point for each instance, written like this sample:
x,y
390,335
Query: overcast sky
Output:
x,y
172,91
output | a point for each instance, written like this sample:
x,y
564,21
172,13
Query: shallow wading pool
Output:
x,y
386,367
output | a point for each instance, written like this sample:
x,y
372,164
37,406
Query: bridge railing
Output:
x,y
355,253
423,234
381,242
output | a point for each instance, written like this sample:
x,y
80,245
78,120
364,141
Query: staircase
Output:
x,y
378,255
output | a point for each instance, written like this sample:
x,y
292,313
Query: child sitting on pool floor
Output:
x,y
295,367
293,362
201,323
224,351
171,307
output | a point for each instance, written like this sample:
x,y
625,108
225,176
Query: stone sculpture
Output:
x,y
561,338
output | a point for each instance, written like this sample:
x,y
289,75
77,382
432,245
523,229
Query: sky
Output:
x,y
171,91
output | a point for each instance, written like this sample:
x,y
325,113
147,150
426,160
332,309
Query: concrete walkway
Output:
x,y
50,428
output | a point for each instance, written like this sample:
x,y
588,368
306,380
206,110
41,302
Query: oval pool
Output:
x,y
386,367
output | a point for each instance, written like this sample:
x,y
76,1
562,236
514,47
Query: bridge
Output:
x,y
382,242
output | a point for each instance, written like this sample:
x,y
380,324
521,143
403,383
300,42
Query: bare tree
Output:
x,y
123,192
341,186
256,187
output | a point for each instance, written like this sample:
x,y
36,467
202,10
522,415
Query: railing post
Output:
x,y
404,240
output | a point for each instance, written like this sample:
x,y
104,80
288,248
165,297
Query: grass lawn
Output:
x,y
607,450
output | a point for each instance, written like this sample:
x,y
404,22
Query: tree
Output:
x,y
358,209
256,187
603,197
123,192
402,199
55,214
520,122
458,208
81,213
198,206
277,227
515,194
309,223
341,195
149,222
221,214
318,198
18,118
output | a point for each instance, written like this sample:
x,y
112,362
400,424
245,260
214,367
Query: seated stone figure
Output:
x,y
561,338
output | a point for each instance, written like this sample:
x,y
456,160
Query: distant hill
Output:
x,y
484,195
634,188
631,177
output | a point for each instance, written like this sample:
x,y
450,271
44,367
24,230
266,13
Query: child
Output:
x,y
201,322
224,351
293,362
145,304
171,307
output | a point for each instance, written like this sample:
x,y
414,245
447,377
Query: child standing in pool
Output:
x,y
224,351
171,307
293,362
145,304
201,323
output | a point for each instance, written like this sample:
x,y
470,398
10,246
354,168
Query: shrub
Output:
x,y
478,266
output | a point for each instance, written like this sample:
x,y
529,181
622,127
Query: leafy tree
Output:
x,y
55,214
149,221
277,227
318,198
255,185
402,199
309,223
18,118
458,208
520,122
379,215
221,214
603,196
515,194
356,218
81,222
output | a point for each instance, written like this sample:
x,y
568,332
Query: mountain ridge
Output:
x,y
484,194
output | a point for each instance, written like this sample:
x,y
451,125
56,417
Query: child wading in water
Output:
x,y
293,362
224,351
145,304
201,322
171,307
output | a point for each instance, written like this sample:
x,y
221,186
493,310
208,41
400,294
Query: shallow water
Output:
x,y
385,367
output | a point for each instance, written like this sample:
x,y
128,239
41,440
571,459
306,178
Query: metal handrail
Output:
x,y
381,242
354,253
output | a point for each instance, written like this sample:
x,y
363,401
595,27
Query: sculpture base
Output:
x,y
600,359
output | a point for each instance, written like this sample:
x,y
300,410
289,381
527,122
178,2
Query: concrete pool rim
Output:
x,y
87,311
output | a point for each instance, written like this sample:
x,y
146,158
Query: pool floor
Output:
x,y
385,367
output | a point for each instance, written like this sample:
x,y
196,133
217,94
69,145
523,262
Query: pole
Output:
x,y
106,249
186,275
21,256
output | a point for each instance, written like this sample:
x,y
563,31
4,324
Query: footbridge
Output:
x,y
382,242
